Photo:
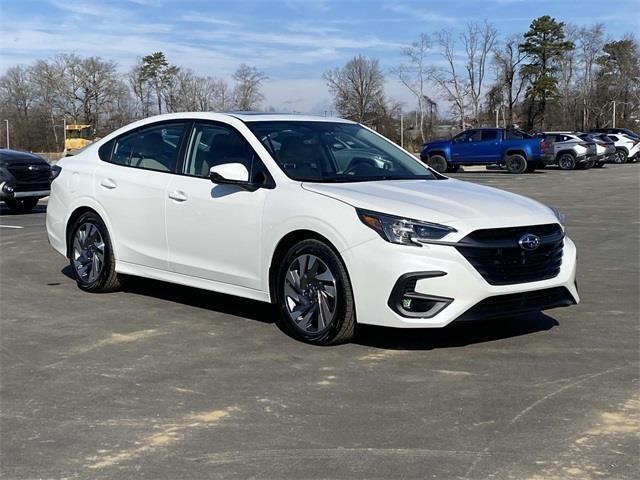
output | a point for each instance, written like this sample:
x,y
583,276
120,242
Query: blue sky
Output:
x,y
293,41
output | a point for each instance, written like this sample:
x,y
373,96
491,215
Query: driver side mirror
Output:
x,y
232,174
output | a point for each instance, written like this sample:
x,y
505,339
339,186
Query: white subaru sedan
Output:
x,y
323,217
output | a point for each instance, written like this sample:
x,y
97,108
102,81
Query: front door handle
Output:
x,y
178,196
108,183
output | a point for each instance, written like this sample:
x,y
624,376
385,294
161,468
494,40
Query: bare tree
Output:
x,y
357,88
589,42
448,79
415,76
248,87
478,41
507,59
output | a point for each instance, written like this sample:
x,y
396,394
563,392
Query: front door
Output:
x,y
463,148
214,231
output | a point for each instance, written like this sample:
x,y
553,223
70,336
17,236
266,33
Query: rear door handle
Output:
x,y
178,196
108,183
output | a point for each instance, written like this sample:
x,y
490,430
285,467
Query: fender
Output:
x,y
88,202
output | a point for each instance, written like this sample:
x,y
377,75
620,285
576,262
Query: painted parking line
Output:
x,y
10,226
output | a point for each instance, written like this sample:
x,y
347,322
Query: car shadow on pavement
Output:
x,y
194,297
455,335
5,211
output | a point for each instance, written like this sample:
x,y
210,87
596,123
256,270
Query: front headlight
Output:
x,y
403,231
559,215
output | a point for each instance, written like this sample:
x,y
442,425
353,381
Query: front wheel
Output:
x,y
314,295
91,255
21,205
438,163
516,164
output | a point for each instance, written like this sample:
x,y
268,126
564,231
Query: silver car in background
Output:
x,y
568,150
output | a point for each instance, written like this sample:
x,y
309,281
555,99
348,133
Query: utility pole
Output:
x,y
497,119
614,114
7,122
401,129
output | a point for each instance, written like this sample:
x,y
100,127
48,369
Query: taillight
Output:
x,y
55,171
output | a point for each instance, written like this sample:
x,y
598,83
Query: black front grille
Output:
x,y
38,173
501,306
497,256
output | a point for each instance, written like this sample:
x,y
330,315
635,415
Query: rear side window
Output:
x,y
515,135
489,135
151,148
613,138
104,152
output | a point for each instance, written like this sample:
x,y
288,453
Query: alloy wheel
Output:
x,y
88,252
310,294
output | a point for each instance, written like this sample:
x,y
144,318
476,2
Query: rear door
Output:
x,y
131,186
488,149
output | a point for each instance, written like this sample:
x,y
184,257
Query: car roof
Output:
x,y
249,117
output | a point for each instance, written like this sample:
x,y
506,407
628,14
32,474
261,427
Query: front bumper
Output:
x,y
9,191
376,266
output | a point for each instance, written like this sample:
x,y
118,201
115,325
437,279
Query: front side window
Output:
x,y
151,148
335,152
211,145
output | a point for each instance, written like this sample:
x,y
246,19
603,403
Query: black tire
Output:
x,y
516,163
342,327
438,163
599,165
567,161
531,167
453,168
107,280
21,205
621,156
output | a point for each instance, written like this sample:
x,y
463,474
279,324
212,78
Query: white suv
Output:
x,y
323,217
627,147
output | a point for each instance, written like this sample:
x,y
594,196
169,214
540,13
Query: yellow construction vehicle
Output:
x,y
77,136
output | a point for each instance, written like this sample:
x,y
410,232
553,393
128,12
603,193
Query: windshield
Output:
x,y
336,152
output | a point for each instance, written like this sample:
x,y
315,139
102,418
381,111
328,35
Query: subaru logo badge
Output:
x,y
529,242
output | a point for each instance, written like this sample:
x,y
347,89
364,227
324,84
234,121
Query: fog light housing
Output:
x,y
405,301
7,189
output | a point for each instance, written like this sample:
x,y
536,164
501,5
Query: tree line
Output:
x,y
553,76
36,98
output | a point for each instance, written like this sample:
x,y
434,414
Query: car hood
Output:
x,y
450,202
438,143
15,157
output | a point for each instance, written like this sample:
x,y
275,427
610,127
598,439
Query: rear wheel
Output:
x,y
314,295
453,168
91,255
620,156
21,205
567,161
438,163
531,167
516,163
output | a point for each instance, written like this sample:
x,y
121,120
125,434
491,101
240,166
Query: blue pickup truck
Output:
x,y
518,151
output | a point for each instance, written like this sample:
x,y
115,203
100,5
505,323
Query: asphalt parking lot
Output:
x,y
166,382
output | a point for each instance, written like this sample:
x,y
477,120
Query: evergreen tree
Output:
x,y
544,44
